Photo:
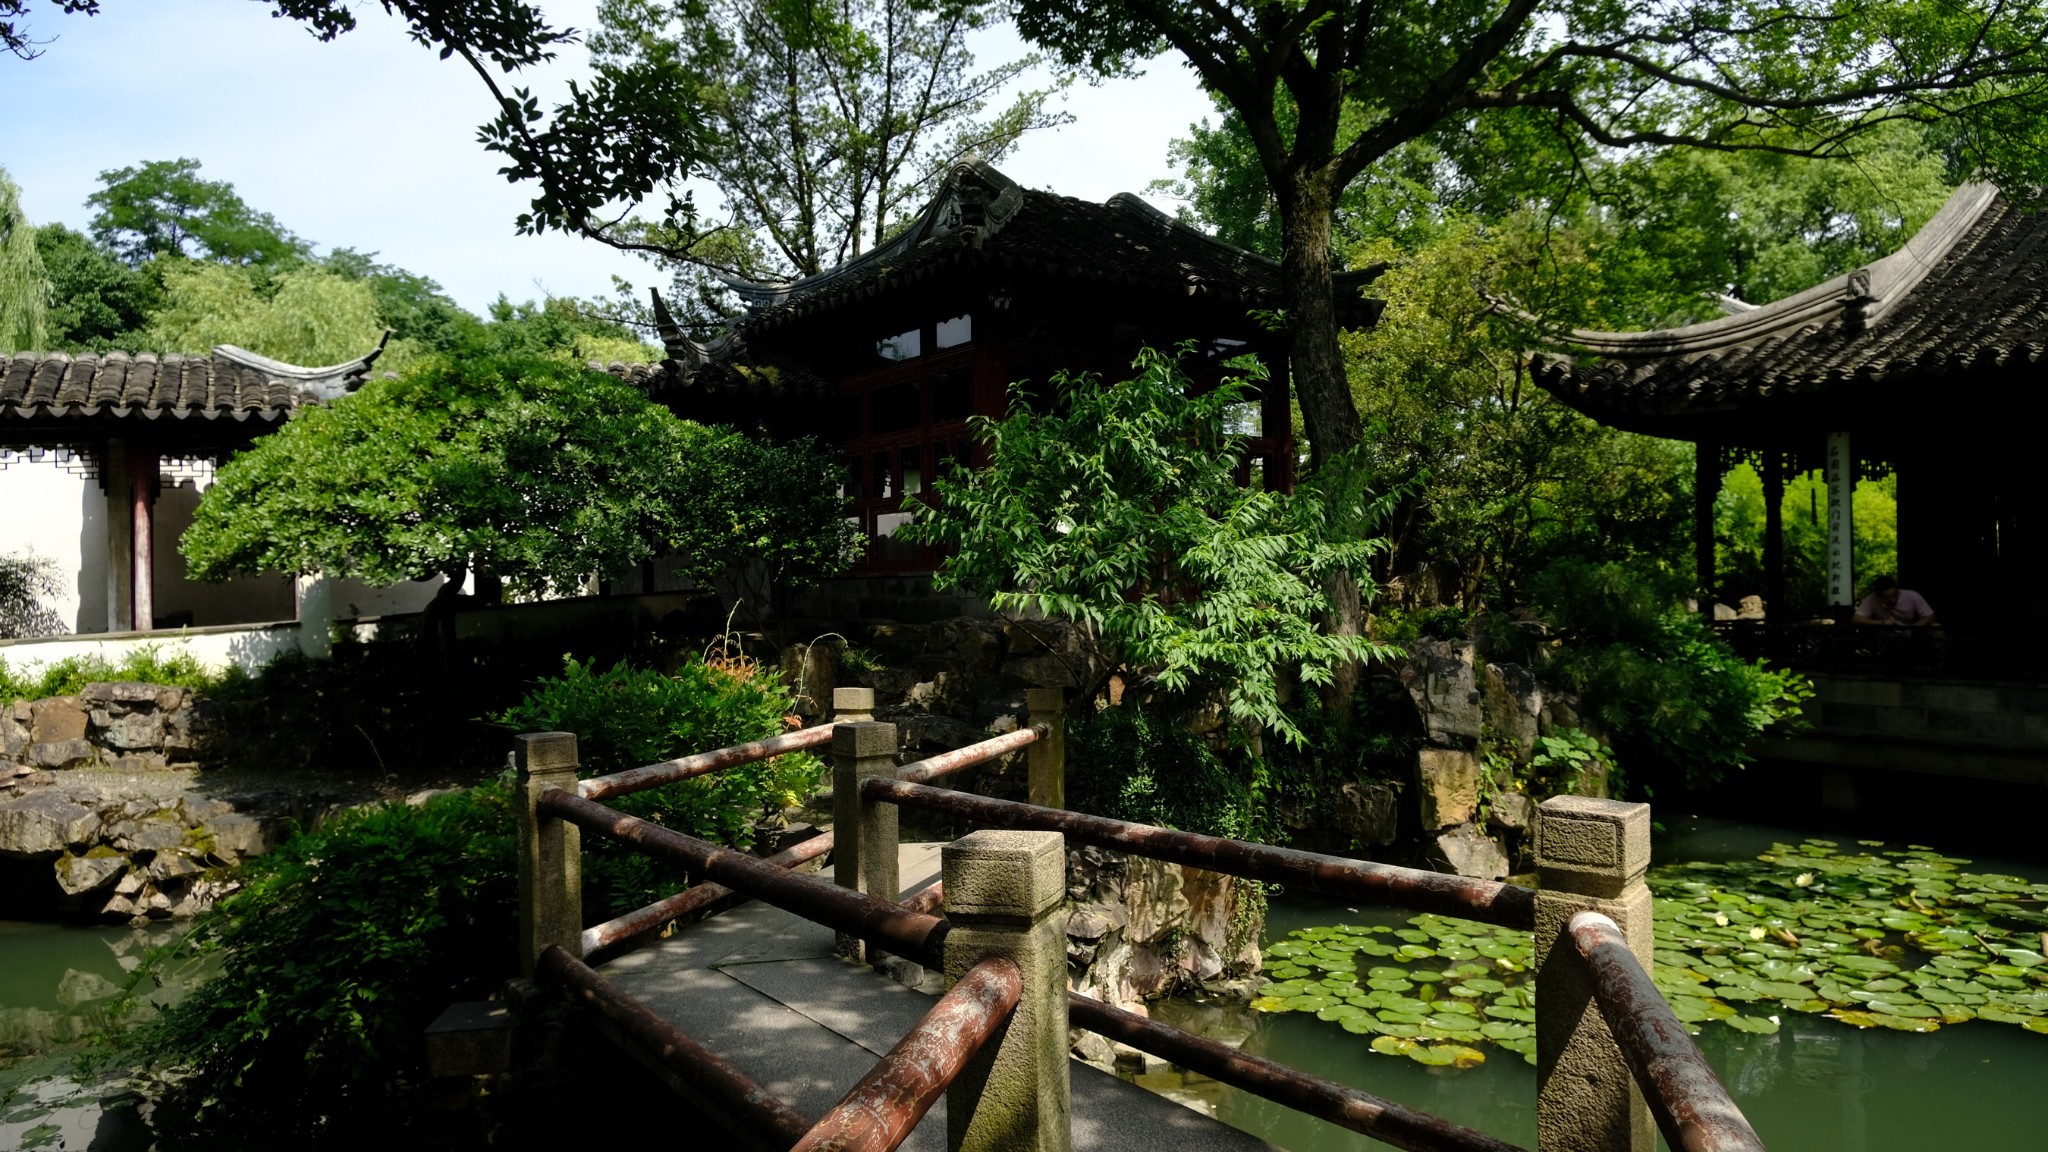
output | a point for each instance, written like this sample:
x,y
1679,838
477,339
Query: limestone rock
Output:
x,y
43,823
1512,702
236,835
1468,851
1092,1049
1440,679
1094,921
147,835
60,753
1368,813
124,693
134,731
1446,786
14,733
83,987
129,885
58,719
172,866
1510,811
78,875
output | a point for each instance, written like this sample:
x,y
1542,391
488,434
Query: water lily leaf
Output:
x,y
1424,976
2001,1015
2036,1025
1387,973
2021,958
1780,990
1735,992
1360,1025
1307,1003
1392,1017
1482,985
1415,952
1506,1012
1761,1025
1385,985
1392,1045
1270,1004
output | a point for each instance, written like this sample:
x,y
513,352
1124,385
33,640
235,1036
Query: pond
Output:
x,y
56,984
1813,1084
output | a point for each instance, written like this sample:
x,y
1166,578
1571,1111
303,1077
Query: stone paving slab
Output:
x,y
762,988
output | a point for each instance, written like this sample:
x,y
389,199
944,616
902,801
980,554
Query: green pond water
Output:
x,y
56,983
1808,1082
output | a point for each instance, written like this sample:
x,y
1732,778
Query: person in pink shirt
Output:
x,y
1890,604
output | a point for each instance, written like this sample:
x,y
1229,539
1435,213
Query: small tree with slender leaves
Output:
x,y
1120,513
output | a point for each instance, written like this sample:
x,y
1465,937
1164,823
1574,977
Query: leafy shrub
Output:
x,y
1130,764
1656,676
149,664
627,716
1120,511
339,948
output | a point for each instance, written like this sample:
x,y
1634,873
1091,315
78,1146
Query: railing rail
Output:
x,y
1591,918
697,1069
1691,1107
1361,1112
1487,900
880,1111
683,768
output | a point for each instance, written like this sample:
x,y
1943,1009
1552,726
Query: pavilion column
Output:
x,y
1706,487
1774,536
1276,418
1841,565
144,469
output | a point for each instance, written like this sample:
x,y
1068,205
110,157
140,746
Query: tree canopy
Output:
x,y
164,208
526,468
821,123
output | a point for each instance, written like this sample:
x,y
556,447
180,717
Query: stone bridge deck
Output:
x,y
762,988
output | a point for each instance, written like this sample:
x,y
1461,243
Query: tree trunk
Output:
x,y
1327,411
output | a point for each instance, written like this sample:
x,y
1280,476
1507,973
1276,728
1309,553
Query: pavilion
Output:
x,y
991,286
1918,364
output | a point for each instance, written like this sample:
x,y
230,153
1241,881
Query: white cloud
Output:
x,y
369,142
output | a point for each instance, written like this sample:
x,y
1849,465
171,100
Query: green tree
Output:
x,y
164,208
1120,512
14,36
304,315
527,469
823,122
97,302
24,286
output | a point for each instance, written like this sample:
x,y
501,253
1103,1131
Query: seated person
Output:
x,y
1890,604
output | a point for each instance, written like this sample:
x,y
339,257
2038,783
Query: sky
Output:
x,y
369,142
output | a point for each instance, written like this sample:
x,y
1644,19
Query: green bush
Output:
x,y
338,949
149,665
626,717
1661,683
1129,764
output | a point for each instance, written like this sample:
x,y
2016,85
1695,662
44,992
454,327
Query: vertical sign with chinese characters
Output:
x,y
1841,476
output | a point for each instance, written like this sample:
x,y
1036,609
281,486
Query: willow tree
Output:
x,y
24,287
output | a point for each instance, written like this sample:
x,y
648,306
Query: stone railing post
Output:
x,y
1590,856
853,705
863,833
550,849
1048,757
1004,893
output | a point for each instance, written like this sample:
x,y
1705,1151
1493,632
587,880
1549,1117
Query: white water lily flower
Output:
x,y
1756,933
1803,879
1720,919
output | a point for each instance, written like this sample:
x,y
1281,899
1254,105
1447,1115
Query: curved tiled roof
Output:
x,y
981,218
1967,293
230,384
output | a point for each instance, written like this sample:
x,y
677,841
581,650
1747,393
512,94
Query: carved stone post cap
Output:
x,y
862,739
853,700
1006,875
544,753
1591,847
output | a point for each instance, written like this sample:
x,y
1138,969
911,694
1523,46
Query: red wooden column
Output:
x,y
144,470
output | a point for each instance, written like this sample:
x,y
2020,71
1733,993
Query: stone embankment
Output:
x,y
101,816
1475,821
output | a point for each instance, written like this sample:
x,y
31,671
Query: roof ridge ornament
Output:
x,y
328,383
